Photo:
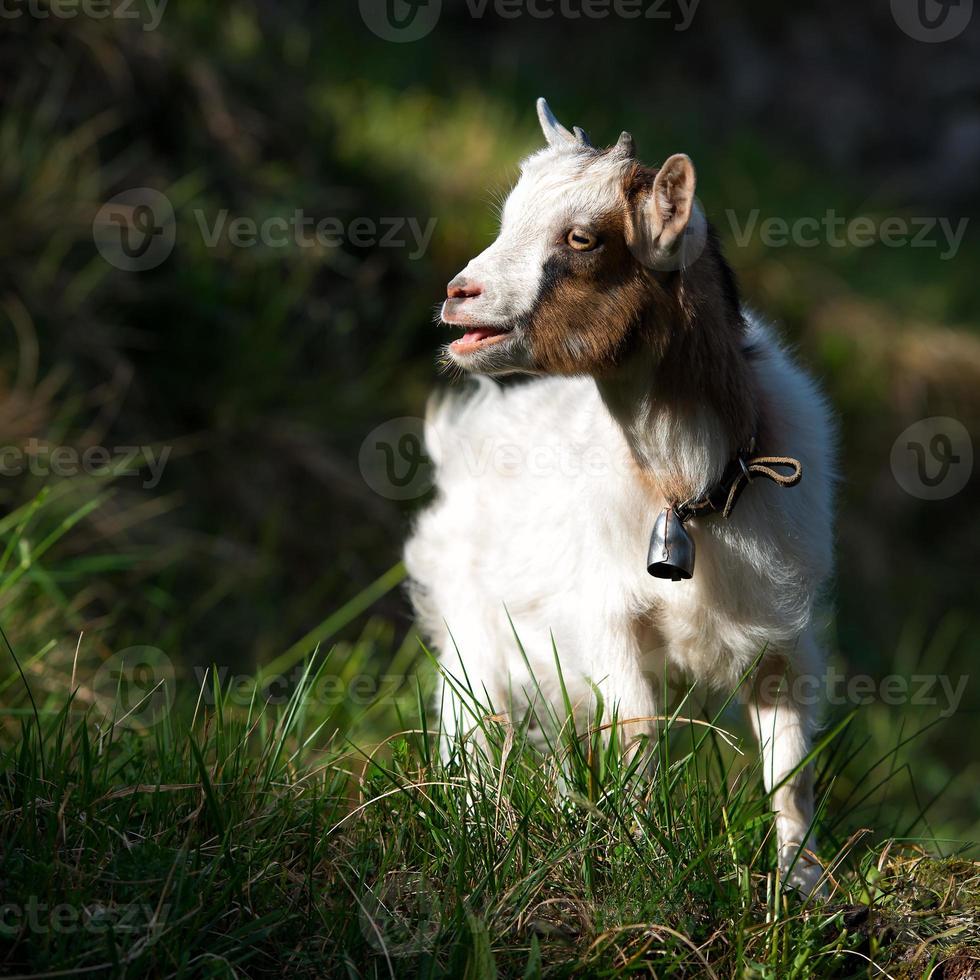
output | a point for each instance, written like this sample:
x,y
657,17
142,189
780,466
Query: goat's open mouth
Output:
x,y
476,338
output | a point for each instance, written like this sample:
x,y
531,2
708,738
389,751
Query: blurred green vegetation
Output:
x,y
265,368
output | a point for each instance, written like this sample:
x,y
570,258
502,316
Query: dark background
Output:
x,y
265,368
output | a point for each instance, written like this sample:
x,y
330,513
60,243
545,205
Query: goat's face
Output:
x,y
585,238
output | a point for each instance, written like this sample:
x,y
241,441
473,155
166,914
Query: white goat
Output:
x,y
657,391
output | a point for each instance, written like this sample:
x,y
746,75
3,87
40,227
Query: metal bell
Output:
x,y
671,553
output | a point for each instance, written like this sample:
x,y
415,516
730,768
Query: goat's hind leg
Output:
x,y
784,711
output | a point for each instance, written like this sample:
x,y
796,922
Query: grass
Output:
x,y
229,835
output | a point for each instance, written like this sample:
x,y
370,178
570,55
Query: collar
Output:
x,y
738,474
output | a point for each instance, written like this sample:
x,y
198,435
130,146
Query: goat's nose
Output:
x,y
462,288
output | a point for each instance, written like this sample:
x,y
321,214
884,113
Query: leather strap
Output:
x,y
740,472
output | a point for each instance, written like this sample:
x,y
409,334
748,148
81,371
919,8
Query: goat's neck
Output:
x,y
685,406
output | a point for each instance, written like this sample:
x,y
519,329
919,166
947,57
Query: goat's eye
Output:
x,y
581,240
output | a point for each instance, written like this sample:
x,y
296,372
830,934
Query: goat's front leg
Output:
x,y
784,723
628,699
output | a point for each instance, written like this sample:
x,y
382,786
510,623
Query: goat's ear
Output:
x,y
669,229
673,198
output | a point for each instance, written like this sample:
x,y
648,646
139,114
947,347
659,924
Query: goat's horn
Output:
x,y
554,131
626,147
582,136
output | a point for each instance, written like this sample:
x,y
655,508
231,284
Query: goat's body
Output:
x,y
607,279
543,517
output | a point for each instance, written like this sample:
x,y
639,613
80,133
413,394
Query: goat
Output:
x,y
653,388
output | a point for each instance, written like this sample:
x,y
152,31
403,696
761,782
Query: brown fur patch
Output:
x,y
591,306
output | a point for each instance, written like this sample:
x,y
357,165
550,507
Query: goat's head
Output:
x,y
589,241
